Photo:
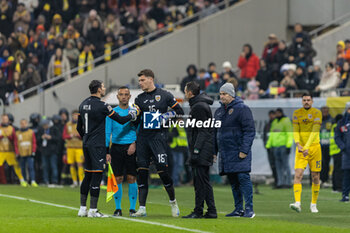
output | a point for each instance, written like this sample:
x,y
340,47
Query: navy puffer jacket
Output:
x,y
236,135
342,139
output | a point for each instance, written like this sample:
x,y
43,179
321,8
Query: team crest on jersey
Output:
x,y
157,97
230,111
310,116
295,118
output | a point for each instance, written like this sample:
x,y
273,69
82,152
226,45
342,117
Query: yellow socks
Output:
x,y
81,174
315,189
18,171
73,172
297,192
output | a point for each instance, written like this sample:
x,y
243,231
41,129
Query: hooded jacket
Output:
x,y
189,77
236,135
200,140
342,139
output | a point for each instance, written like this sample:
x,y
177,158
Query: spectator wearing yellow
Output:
x,y
71,33
21,18
74,146
25,151
20,62
57,24
58,65
85,57
109,46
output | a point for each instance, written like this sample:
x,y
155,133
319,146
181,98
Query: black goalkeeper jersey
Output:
x,y
156,100
91,122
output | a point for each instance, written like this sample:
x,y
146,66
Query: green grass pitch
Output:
x,y
271,208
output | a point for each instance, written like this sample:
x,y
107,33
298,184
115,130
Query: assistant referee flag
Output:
x,y
112,186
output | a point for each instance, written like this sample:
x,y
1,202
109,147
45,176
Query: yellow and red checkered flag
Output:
x,y
112,186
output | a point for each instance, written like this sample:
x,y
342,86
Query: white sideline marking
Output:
x,y
123,218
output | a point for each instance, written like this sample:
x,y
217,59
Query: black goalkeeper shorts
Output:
x,y
151,150
122,162
95,158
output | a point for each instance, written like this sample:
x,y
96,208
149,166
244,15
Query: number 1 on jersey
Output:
x,y
86,123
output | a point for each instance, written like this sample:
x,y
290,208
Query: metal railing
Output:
x,y
130,46
337,91
336,22
2,106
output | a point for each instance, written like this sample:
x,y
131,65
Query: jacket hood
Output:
x,y
236,101
191,67
203,97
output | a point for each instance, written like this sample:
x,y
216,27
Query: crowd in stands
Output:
x,y
280,70
40,40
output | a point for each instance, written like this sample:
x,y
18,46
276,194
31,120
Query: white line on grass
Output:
x,y
123,218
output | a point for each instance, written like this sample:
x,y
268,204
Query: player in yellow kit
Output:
x,y
306,126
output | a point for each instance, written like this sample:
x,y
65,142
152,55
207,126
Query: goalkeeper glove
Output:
x,y
133,114
168,115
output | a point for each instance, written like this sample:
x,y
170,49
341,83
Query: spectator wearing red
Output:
x,y
248,62
270,51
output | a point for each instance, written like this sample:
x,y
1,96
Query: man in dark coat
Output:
x,y
48,137
201,147
342,139
235,139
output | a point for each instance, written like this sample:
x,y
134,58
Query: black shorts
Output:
x,y
152,150
121,161
95,158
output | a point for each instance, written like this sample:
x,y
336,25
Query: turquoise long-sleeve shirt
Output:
x,y
121,134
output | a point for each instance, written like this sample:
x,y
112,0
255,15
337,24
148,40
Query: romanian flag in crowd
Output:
x,y
277,90
112,186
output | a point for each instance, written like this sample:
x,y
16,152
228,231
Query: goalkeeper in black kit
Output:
x,y
91,127
151,141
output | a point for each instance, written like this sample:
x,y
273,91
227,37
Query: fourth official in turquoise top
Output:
x,y
121,134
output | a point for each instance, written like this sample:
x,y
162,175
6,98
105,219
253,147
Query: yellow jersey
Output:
x,y
306,126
